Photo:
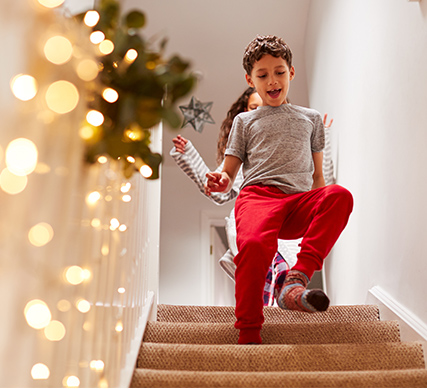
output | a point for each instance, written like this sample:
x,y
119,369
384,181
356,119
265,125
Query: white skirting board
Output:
x,y
411,327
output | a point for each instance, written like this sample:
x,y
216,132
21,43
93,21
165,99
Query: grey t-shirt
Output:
x,y
276,144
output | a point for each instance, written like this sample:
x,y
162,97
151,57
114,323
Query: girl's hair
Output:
x,y
240,105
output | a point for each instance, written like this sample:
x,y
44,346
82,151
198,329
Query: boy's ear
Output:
x,y
292,73
249,80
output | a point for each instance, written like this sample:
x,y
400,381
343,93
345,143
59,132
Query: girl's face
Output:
x,y
270,77
254,101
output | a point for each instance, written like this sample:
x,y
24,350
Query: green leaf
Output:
x,y
135,19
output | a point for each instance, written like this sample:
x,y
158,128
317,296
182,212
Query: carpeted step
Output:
x,y
274,333
225,314
331,357
413,378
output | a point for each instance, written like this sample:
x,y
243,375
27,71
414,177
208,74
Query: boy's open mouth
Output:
x,y
274,93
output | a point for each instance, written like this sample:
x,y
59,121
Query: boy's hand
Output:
x,y
217,182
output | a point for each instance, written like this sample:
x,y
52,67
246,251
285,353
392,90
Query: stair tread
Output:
x,y
185,379
326,357
274,333
225,314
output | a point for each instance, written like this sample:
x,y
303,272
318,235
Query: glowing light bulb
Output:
x,y
58,50
130,159
126,198
110,95
97,365
119,326
95,118
131,55
125,188
54,331
93,197
87,69
83,305
146,171
21,156
51,3
71,381
62,97
97,37
37,314
123,228
74,275
114,224
40,372
106,47
11,183
91,18
40,234
102,159
121,290
24,87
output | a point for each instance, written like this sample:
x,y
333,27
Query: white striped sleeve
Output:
x,y
192,164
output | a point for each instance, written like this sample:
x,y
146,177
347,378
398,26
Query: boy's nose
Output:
x,y
272,80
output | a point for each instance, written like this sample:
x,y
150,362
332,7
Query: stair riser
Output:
x,y
356,357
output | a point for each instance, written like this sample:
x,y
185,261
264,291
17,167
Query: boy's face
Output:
x,y
271,77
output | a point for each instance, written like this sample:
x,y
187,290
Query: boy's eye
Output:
x,y
281,73
262,76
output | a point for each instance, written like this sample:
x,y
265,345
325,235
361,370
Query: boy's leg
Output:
x,y
258,220
320,217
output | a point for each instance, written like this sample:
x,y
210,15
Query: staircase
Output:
x,y
346,346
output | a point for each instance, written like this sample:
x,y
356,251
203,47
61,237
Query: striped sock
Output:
x,y
296,297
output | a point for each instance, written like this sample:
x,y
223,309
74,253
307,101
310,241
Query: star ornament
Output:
x,y
197,114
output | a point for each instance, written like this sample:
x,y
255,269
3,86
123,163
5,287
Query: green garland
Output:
x,y
148,89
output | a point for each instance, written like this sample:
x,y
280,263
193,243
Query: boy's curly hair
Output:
x,y
262,45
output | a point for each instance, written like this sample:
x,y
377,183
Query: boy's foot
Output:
x,y
296,297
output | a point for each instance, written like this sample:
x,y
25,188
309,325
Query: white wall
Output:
x,y
366,66
213,35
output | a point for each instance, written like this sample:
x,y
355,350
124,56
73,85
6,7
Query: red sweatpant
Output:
x,y
265,214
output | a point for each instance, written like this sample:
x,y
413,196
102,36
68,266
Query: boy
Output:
x,y
283,194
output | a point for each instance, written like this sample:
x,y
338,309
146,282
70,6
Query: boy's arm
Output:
x,y
318,179
223,182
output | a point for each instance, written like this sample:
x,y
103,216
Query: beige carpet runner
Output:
x,y
346,346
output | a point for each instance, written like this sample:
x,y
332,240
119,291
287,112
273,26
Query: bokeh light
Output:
x,y
62,97
71,381
106,47
63,305
40,372
40,234
58,50
119,326
131,55
146,171
54,331
93,198
91,18
51,3
95,118
74,275
97,365
97,37
37,314
21,156
11,183
87,69
83,305
24,87
110,95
